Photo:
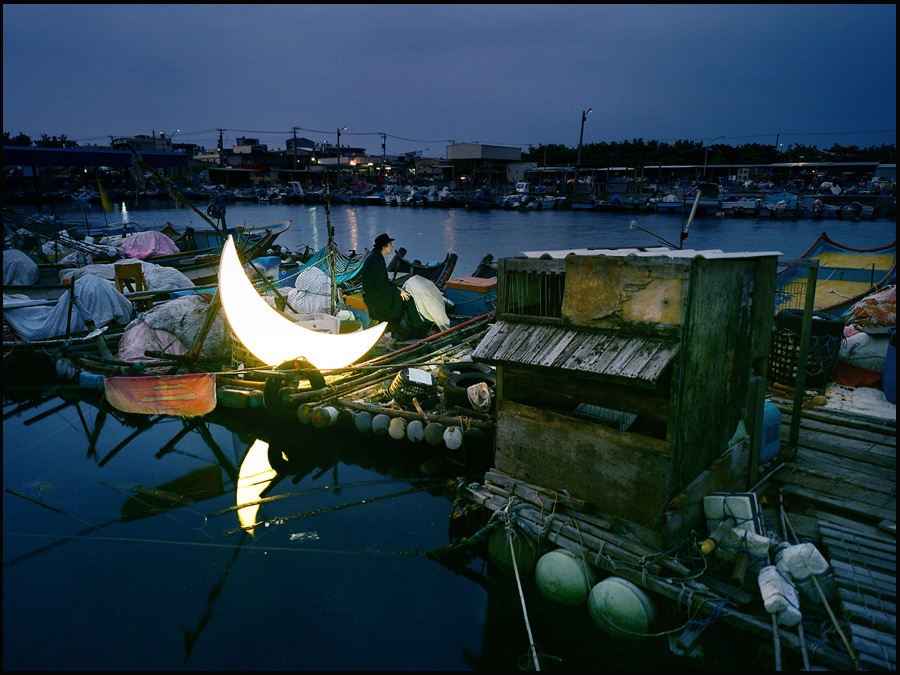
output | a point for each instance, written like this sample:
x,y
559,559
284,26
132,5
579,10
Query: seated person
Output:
x,y
385,300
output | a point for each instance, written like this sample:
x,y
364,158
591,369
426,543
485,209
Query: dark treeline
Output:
x,y
638,152
635,153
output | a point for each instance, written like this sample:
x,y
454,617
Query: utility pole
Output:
x,y
294,168
221,149
584,114
340,129
383,147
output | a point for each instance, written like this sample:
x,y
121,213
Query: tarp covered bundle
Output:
x,y
142,245
158,277
173,327
19,269
95,300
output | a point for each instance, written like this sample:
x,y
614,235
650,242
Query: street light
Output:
x,y
706,152
340,129
169,137
584,114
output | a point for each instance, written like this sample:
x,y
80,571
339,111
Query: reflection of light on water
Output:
x,y
254,477
305,536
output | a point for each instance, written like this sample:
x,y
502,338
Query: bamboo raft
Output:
x,y
365,387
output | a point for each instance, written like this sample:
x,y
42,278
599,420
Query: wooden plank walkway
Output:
x,y
843,477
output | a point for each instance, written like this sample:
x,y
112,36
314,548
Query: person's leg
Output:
x,y
417,325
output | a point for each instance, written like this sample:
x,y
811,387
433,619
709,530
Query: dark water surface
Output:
x,y
105,569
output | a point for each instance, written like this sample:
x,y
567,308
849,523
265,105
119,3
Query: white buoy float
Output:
x,y
397,428
380,424
453,437
415,431
363,421
621,608
564,577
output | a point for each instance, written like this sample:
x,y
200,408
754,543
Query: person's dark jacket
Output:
x,y
382,298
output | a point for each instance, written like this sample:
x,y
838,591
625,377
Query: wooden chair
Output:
x,y
130,279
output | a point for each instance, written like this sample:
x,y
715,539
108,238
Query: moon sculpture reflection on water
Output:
x,y
254,477
273,338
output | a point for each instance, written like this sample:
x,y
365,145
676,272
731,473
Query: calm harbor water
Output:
x,y
104,568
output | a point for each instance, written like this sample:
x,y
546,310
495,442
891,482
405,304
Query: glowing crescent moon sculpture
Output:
x,y
273,338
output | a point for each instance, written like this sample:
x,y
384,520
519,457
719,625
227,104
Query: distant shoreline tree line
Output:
x,y
636,152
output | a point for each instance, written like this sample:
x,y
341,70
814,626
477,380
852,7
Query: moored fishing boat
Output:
x,y
844,276
781,205
734,205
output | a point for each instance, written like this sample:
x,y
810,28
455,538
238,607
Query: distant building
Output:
x,y
482,164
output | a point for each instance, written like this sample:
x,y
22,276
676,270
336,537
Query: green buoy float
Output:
x,y
621,608
564,577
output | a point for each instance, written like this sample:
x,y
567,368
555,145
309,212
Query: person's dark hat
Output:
x,y
383,240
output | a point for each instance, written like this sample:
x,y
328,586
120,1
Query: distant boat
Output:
x,y
740,206
673,204
781,205
820,210
857,211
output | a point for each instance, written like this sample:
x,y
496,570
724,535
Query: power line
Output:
x,y
289,132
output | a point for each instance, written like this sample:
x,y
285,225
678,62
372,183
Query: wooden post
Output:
x,y
802,357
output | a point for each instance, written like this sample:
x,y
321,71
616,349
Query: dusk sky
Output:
x,y
429,75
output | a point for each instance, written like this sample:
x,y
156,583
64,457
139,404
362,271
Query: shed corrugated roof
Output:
x,y
634,359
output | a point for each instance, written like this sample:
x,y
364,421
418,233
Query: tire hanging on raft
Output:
x,y
278,385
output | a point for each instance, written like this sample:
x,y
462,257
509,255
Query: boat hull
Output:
x,y
844,276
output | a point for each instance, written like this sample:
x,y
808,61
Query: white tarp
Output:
x,y
96,299
19,269
429,300
158,277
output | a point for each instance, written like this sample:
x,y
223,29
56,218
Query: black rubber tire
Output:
x,y
448,370
455,388
279,386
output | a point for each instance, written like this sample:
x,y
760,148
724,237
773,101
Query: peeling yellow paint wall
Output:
x,y
604,291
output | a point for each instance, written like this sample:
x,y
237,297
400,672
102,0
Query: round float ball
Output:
x,y
473,438
621,608
564,577
434,433
397,428
523,547
304,413
345,417
324,416
256,400
61,367
453,437
380,424
363,421
415,431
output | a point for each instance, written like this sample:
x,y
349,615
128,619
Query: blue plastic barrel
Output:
x,y
771,434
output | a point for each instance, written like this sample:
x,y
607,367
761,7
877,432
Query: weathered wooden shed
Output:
x,y
623,375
